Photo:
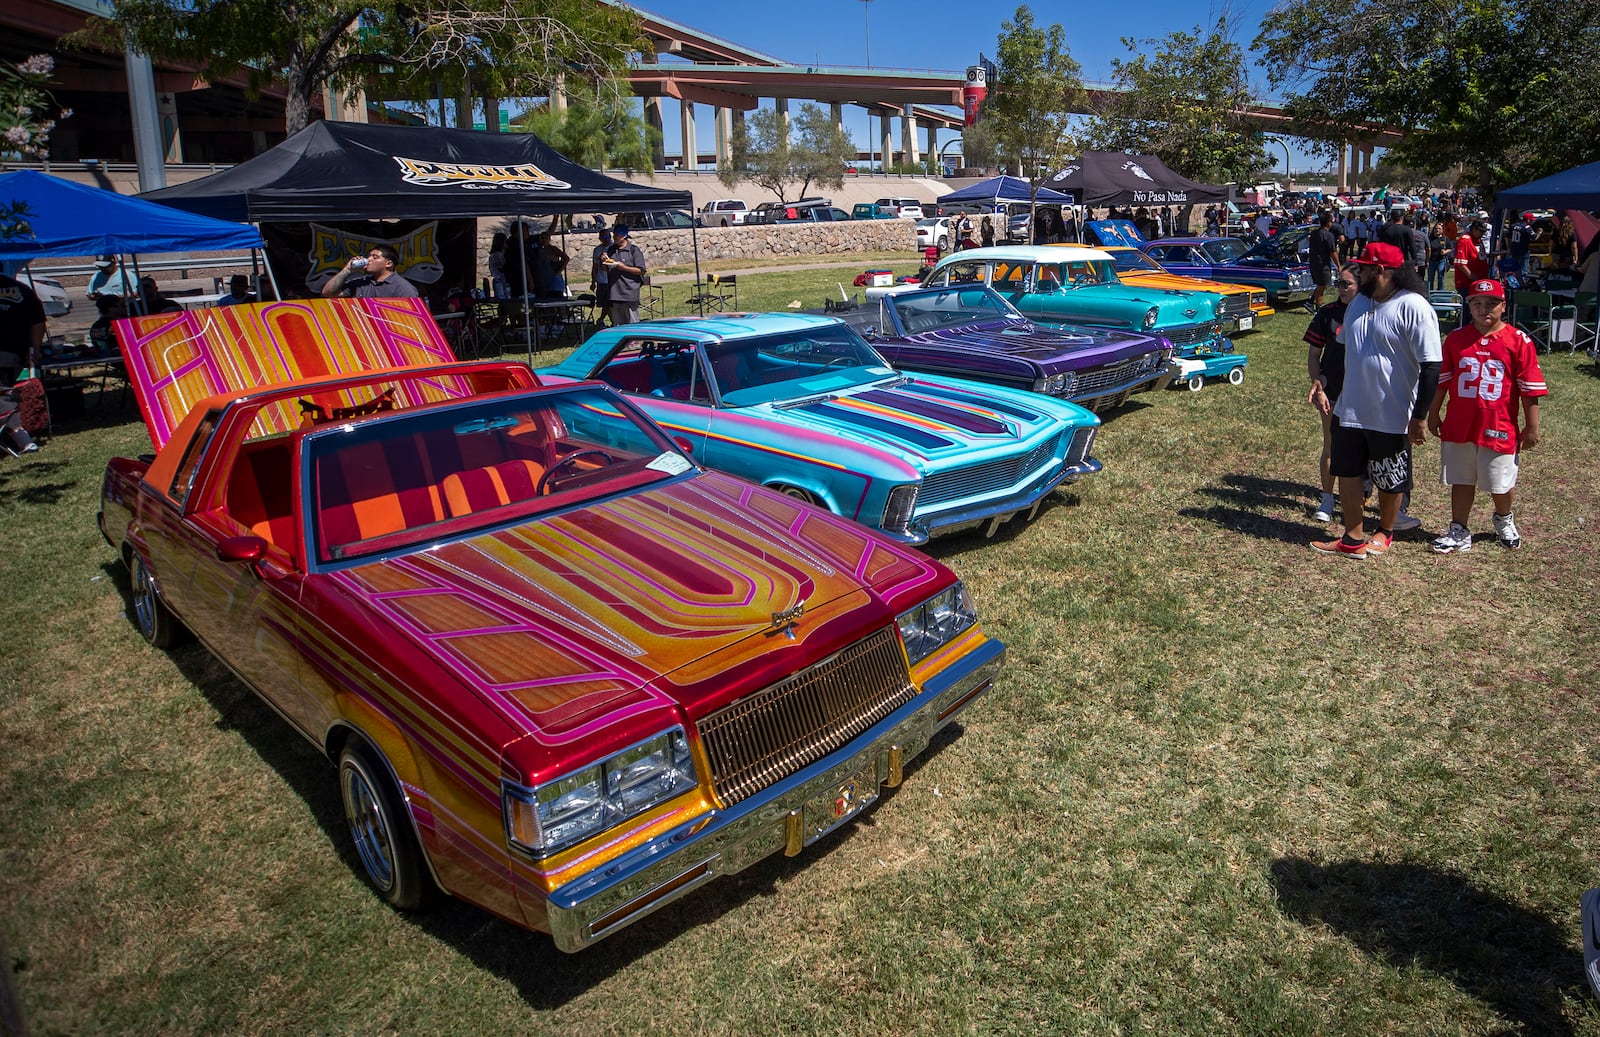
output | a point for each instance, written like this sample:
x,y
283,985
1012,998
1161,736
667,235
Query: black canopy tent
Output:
x,y
352,171
1576,188
1115,178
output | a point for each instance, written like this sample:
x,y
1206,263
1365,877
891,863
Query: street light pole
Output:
x,y
1288,174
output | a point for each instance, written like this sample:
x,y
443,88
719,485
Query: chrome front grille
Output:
x,y
989,477
1115,377
771,734
1082,442
1236,305
1193,335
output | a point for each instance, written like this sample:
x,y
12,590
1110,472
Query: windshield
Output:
x,y
420,476
1225,250
920,312
1079,273
799,364
1130,260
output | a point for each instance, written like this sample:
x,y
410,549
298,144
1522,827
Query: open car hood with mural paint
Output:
x,y
175,360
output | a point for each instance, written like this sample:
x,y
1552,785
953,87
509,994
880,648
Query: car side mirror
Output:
x,y
684,443
248,549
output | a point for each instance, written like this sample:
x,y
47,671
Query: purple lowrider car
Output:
x,y
972,332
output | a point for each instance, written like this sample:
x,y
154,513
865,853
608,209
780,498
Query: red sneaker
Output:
x,y
1379,543
1337,546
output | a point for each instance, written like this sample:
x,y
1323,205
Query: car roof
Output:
x,y
1030,253
731,325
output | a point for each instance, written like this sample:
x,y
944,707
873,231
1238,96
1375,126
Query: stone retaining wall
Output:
x,y
675,247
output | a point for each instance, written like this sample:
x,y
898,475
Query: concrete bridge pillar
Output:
x,y
1344,168
652,119
781,106
908,134
723,118
888,142
691,143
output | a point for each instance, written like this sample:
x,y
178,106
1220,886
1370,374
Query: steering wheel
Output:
x,y
841,361
548,477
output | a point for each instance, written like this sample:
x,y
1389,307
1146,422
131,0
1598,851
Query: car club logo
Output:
x,y
522,177
784,622
1062,176
1138,171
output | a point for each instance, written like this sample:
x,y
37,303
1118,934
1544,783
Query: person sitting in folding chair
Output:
x,y
21,407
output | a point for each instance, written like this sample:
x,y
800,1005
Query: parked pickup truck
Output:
x,y
564,673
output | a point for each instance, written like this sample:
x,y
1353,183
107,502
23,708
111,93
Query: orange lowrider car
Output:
x,y
1134,267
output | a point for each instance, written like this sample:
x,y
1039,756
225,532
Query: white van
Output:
x,y
722,212
904,207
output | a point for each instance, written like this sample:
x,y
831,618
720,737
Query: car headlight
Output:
x,y
563,812
1069,382
936,622
1150,318
898,508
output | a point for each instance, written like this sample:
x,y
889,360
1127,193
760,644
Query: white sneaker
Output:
x,y
1324,512
1505,527
1404,523
1456,538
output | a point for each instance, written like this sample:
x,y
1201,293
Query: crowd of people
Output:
x,y
1382,379
618,269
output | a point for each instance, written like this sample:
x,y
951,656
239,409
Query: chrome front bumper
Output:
x,y
593,907
998,512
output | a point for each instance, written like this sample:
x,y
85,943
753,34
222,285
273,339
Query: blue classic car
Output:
x,y
1274,264
1078,286
803,405
969,331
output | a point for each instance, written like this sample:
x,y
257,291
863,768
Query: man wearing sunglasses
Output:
x,y
1392,353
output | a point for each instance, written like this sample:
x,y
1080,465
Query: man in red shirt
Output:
x,y
1470,265
1489,369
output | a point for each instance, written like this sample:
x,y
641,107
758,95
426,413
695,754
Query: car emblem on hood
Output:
x,y
784,622
1190,313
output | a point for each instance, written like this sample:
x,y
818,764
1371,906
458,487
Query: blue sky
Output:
x,y
940,34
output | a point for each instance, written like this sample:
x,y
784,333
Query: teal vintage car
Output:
x,y
1077,286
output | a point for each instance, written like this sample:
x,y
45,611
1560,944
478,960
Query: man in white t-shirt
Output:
x,y
1391,356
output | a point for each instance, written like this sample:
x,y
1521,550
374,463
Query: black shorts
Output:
x,y
1319,274
1383,457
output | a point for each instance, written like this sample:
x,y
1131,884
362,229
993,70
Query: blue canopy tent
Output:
x,y
1577,188
998,189
69,219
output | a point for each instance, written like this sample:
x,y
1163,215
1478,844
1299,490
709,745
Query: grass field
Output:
x,y
1225,786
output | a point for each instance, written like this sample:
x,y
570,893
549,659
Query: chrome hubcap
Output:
x,y
144,600
368,826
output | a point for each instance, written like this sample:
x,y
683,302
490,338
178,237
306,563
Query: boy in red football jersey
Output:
x,y
1489,368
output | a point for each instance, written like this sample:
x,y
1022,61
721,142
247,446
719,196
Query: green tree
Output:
x,y
1029,111
1183,102
977,146
600,130
407,49
815,150
1505,88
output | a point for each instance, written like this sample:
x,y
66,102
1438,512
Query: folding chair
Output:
x,y
723,288
489,321
1587,316
1530,311
652,302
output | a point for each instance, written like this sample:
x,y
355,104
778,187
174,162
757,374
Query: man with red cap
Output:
x,y
1470,265
1391,360
1490,368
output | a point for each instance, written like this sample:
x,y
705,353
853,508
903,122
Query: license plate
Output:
x,y
827,812
1246,323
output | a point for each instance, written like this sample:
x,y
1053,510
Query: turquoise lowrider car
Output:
x,y
1078,286
804,405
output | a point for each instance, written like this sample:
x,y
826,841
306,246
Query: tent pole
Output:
x,y
272,278
138,296
699,292
528,333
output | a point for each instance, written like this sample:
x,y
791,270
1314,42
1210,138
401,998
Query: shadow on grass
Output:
x,y
956,544
1243,503
545,977
34,479
1512,959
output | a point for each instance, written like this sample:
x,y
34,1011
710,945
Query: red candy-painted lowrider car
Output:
x,y
564,673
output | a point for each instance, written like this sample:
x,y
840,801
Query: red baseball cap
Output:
x,y
1379,254
1493,289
